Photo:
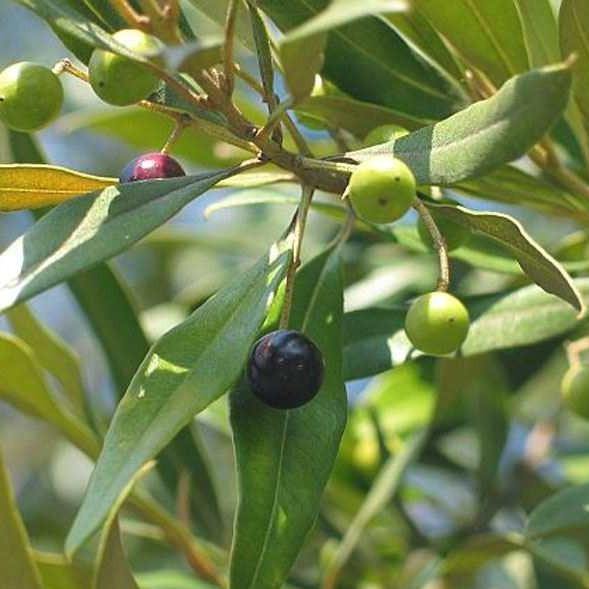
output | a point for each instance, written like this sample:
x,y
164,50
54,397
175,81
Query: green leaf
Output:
x,y
186,370
23,386
485,135
487,34
142,129
284,458
170,580
374,340
81,232
57,572
538,264
341,12
32,186
52,353
574,38
302,59
368,60
513,186
355,116
381,493
16,560
540,31
113,570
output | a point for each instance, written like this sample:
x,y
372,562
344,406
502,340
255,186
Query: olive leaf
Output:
x,y
540,31
367,59
487,34
538,264
84,231
374,339
485,135
16,560
185,371
284,458
31,186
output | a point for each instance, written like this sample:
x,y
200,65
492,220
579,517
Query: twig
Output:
x,y
298,234
439,243
228,69
164,19
131,16
181,123
273,121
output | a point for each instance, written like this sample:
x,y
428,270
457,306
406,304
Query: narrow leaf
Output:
x,y
380,495
16,560
82,232
263,51
113,570
574,38
540,31
29,186
186,370
374,339
52,353
538,264
370,61
58,572
487,134
487,34
284,458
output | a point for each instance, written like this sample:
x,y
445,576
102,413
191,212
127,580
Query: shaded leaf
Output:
x,y
487,34
52,353
79,233
368,60
170,580
180,376
540,31
284,458
113,570
16,559
485,135
538,264
57,572
32,186
381,494
374,339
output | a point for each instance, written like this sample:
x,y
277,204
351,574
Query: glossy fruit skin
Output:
x,y
384,134
121,81
285,369
381,189
437,323
31,96
575,390
454,234
151,166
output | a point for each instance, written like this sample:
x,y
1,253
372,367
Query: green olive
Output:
x,y
575,390
122,81
31,96
455,235
381,189
437,323
384,134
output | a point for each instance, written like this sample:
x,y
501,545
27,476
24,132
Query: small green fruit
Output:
x,y
437,323
121,81
455,235
31,96
384,134
381,189
575,390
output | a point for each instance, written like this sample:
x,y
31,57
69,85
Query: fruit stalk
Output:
x,y
439,244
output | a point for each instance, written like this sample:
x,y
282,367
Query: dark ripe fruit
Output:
x,y
454,234
122,81
31,96
437,323
575,390
285,369
151,166
381,189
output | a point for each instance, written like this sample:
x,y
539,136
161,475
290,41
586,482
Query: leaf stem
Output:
x,y
181,123
298,234
439,243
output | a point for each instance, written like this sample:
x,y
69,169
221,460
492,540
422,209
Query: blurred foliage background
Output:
x,y
446,498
